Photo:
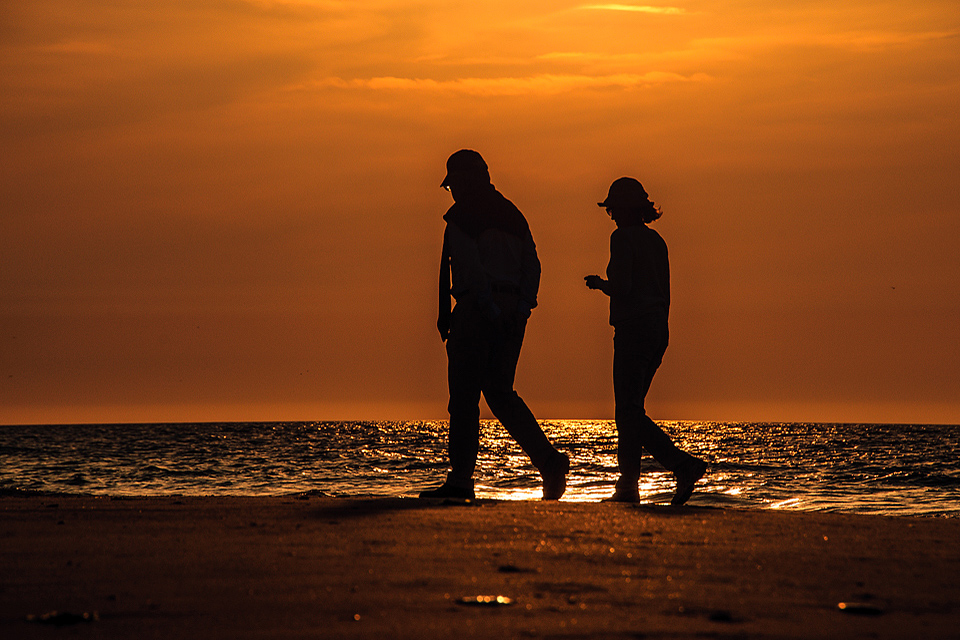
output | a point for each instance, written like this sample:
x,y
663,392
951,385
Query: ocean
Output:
x,y
895,470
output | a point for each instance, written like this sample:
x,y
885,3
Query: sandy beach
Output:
x,y
317,567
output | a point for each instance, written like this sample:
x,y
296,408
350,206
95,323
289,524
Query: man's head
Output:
x,y
466,172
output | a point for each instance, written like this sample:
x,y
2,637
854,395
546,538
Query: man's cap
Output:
x,y
625,192
466,161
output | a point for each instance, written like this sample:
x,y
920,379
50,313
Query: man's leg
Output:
x,y
516,417
465,356
465,362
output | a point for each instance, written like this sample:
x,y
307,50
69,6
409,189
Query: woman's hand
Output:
x,y
595,282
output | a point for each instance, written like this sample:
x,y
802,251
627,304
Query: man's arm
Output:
x,y
529,274
443,315
469,276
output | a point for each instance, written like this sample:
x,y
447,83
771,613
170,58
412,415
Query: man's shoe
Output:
x,y
555,477
449,491
687,475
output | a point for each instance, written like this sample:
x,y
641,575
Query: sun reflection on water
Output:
x,y
592,447
879,469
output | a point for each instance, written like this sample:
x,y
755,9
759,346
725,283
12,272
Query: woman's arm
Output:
x,y
596,282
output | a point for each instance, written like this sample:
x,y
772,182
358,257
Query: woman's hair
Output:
x,y
645,213
650,212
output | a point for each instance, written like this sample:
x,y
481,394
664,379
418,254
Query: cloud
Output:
x,y
631,59
538,84
669,11
853,40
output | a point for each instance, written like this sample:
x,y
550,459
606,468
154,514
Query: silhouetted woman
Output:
x,y
638,283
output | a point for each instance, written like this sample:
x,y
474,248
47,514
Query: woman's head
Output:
x,y
627,202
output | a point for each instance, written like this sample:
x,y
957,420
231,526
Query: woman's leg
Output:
x,y
638,352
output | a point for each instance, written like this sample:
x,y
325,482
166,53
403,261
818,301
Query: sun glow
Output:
x,y
235,204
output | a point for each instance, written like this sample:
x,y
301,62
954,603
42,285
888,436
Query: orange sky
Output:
x,y
229,210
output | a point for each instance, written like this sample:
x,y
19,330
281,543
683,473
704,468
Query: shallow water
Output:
x,y
878,469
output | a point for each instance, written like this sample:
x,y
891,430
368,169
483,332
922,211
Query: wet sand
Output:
x,y
315,567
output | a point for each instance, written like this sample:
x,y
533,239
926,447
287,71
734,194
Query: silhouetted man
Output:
x,y
490,266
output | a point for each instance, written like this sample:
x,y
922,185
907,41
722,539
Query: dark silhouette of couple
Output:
x,y
489,265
